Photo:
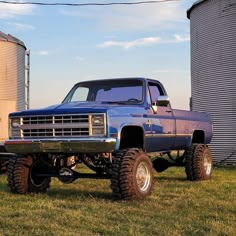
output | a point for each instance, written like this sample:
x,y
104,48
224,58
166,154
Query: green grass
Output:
x,y
86,207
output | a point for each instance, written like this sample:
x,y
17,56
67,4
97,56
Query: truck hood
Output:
x,y
73,108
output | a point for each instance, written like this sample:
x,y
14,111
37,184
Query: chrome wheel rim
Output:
x,y
207,164
143,177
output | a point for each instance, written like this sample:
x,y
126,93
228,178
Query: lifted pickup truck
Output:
x,y
113,126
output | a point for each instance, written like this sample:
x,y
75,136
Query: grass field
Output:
x,y
86,207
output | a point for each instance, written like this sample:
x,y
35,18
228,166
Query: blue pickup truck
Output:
x,y
120,128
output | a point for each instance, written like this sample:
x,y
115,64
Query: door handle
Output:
x,y
168,111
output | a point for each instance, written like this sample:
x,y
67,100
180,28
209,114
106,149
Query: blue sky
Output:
x,y
71,44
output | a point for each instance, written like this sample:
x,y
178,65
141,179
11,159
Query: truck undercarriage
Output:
x,y
130,170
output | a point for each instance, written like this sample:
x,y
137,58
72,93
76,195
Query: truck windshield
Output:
x,y
107,91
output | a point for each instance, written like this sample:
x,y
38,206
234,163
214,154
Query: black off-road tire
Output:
x,y
199,163
132,174
21,177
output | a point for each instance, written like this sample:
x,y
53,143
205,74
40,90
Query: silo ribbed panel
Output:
x,y
12,73
12,79
213,72
20,78
8,71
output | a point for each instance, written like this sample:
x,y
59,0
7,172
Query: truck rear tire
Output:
x,y
198,162
132,174
21,177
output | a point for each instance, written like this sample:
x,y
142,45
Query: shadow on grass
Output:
x,y
170,178
66,194
75,193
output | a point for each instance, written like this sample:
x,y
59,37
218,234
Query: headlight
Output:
x,y
14,127
98,125
97,120
15,123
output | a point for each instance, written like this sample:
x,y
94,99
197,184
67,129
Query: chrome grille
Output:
x,y
69,119
55,132
57,126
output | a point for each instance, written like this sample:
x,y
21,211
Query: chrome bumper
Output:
x,y
82,145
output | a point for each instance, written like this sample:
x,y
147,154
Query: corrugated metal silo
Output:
x,y
213,71
12,79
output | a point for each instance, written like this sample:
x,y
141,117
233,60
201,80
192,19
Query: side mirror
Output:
x,y
163,101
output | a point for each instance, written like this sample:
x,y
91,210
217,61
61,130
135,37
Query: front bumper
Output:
x,y
82,145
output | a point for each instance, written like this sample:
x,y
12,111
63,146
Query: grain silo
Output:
x,y
12,79
213,71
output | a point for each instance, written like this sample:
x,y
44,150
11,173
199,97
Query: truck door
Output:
x,y
162,121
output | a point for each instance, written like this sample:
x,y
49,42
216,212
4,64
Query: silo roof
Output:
x,y
193,6
10,38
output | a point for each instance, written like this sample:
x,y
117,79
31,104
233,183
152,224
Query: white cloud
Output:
x,y
144,42
159,16
13,10
131,44
182,38
20,26
146,17
43,53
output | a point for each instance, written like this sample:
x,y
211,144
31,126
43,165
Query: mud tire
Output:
x,y
198,162
132,174
20,176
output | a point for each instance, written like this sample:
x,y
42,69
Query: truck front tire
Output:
x,y
198,162
21,175
132,174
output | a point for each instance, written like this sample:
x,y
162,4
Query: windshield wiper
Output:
x,y
114,102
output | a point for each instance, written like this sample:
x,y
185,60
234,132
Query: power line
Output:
x,y
86,4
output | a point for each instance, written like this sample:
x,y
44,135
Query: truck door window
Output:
x,y
155,91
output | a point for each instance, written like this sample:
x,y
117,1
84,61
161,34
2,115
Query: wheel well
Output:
x,y
131,136
198,136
